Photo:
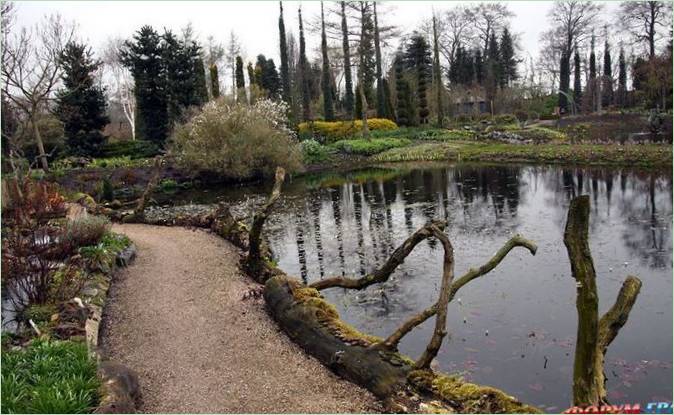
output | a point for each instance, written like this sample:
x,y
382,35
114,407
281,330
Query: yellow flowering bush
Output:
x,y
331,131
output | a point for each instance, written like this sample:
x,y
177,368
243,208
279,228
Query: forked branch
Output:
x,y
383,273
394,339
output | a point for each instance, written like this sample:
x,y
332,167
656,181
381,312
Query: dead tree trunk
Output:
x,y
594,334
257,262
139,211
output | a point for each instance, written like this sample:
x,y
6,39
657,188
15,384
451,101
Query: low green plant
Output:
x,y
368,147
422,152
443,135
117,162
132,148
541,134
168,185
115,242
314,152
39,312
49,377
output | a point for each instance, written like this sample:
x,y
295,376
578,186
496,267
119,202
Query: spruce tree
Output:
x,y
215,82
607,84
143,57
240,82
437,75
381,99
326,77
348,82
478,64
508,60
418,59
285,73
81,104
577,93
622,80
388,98
493,69
304,73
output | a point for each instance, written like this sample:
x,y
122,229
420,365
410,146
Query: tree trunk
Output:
x,y
40,146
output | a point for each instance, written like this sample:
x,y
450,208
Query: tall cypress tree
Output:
x,y
381,99
367,65
577,93
348,82
326,77
388,98
402,92
143,57
607,84
437,75
240,81
508,60
252,79
285,73
304,73
493,69
200,89
592,86
478,64
622,79
215,81
81,104
564,80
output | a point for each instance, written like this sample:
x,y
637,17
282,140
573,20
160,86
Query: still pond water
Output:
x,y
514,328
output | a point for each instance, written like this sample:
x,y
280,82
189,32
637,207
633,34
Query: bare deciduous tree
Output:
x,y
30,70
122,80
488,19
643,19
573,21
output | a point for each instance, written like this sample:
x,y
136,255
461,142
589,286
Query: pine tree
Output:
x,y
607,84
437,75
304,73
270,79
215,82
81,104
185,76
493,69
622,80
348,82
285,74
381,99
508,60
577,93
143,57
240,81
326,78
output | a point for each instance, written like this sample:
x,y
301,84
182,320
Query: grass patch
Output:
x,y
369,147
421,152
443,135
49,377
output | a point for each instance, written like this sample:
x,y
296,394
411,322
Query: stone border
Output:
x,y
119,384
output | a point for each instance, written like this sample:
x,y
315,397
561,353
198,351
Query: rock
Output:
x,y
121,390
115,204
125,257
89,292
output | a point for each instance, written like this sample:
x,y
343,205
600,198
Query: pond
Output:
x,y
515,327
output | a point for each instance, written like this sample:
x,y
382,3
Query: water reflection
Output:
x,y
349,226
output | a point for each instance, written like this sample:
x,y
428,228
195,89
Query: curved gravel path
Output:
x,y
176,316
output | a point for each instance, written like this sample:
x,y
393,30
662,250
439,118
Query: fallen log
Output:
x,y
314,324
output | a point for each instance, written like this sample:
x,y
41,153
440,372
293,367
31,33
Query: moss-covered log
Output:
x,y
314,324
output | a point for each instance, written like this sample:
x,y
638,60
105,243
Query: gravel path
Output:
x,y
176,316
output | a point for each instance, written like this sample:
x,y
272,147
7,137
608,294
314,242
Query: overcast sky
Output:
x,y
255,23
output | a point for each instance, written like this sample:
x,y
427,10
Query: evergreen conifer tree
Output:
x,y
508,61
81,104
622,80
564,79
143,57
240,81
326,76
437,74
607,84
577,93
285,73
366,53
304,73
381,98
200,89
348,82
215,82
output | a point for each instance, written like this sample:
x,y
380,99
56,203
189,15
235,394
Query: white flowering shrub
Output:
x,y
237,140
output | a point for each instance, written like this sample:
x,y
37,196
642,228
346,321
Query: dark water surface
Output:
x,y
514,328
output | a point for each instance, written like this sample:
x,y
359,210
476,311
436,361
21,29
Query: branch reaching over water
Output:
x,y
158,167
392,341
383,273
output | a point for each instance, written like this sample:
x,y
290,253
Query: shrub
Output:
x,y
237,141
131,148
86,230
49,377
547,117
313,152
533,116
117,162
505,119
422,152
369,147
541,135
333,131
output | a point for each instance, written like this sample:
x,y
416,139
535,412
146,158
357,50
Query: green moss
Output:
x,y
40,313
467,397
328,317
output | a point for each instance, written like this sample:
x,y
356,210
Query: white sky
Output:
x,y
254,22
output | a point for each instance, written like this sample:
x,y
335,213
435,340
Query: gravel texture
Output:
x,y
178,318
